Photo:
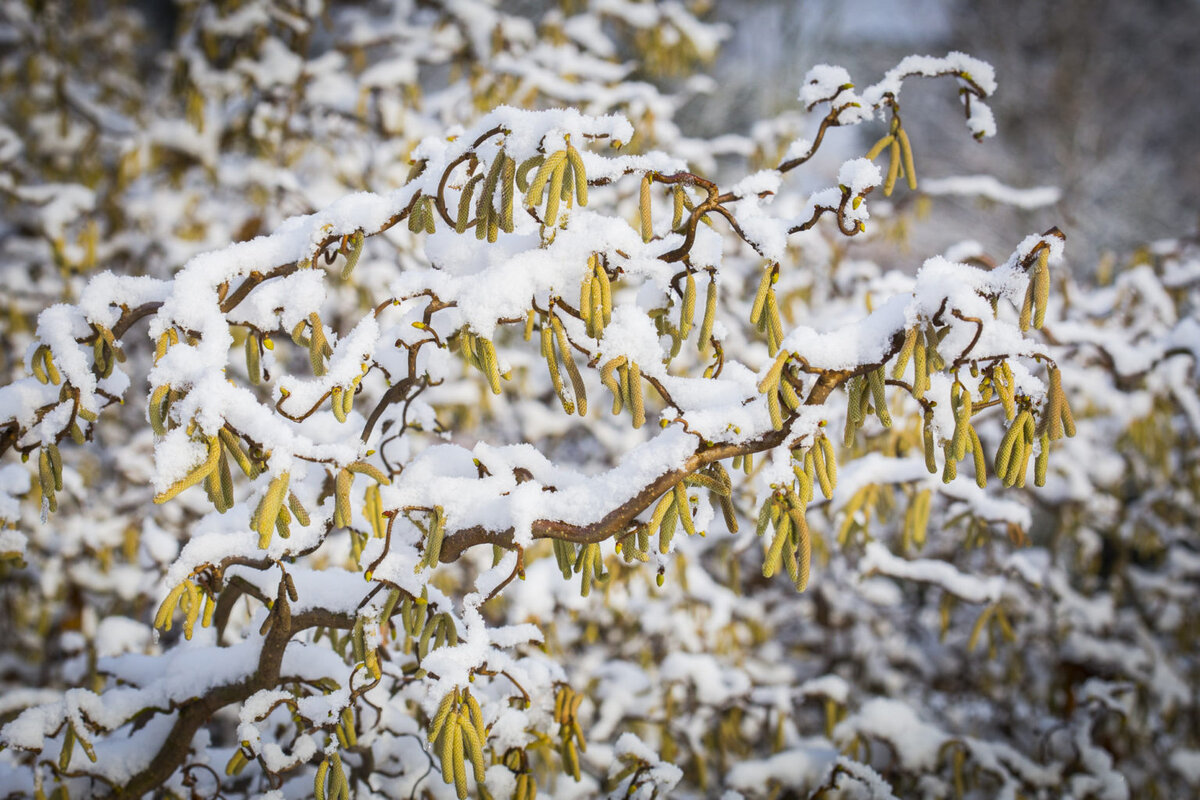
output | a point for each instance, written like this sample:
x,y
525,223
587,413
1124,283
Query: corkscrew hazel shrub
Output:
x,y
403,571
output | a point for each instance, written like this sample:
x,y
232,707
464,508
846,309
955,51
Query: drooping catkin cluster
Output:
x,y
50,474
779,391
867,393
791,542
900,158
560,177
570,735
764,312
435,532
480,353
1037,295
314,341
674,509
623,378
556,348
196,604
916,519
43,365
424,629
352,245
492,214
458,735
105,351
423,217
595,297
341,398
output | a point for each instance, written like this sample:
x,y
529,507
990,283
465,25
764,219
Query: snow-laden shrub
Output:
x,y
437,488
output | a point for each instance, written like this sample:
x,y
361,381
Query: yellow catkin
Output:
x,y
958,441
1042,462
906,351
687,311
158,409
225,478
977,629
430,225
790,399
464,204
521,174
552,365
554,197
818,462
950,467
298,510
910,172
162,619
491,367
196,475
893,172
875,382
804,549
1041,287
318,347
598,315
481,222
537,187
760,297
458,760
710,314
1068,419
443,714
341,509
586,306
774,324
980,460
54,457
370,470
507,194
416,217
683,509
637,402
1004,452
608,378
473,746
854,415
567,191
568,360
580,175
774,410
38,364
879,147
645,220
335,402
1023,470
253,359
605,290
774,553
355,243
920,367
339,782
161,346
268,508
830,459
485,203
230,441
